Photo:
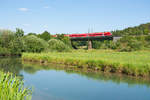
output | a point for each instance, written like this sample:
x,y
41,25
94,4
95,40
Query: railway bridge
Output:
x,y
100,36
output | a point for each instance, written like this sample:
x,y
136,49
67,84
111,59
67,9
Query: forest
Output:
x,y
143,29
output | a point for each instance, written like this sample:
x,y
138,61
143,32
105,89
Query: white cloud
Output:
x,y
23,9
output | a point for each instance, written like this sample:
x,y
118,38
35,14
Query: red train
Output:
x,y
90,36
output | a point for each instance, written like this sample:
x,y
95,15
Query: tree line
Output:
x,y
143,29
16,42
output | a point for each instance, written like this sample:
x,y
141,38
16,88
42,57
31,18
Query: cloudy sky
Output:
x,y
72,16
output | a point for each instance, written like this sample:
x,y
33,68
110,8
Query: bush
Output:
x,y
58,45
105,45
45,36
96,44
34,44
10,43
135,45
4,51
5,37
67,41
16,46
129,43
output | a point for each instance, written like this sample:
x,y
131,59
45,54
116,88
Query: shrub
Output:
x,y
10,42
67,41
16,46
45,36
4,51
58,45
105,45
5,37
34,44
96,44
129,43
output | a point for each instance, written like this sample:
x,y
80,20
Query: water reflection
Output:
x,y
11,64
58,82
15,65
32,68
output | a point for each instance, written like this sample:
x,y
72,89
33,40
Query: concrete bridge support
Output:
x,y
89,44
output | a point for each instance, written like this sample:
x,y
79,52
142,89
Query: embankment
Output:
x,y
133,63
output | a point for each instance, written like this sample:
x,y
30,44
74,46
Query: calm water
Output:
x,y
57,83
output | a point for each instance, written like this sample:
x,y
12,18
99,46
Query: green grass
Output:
x,y
12,88
131,63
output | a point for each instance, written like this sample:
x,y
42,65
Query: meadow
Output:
x,y
131,63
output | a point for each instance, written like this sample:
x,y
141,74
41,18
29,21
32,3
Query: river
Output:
x,y
56,82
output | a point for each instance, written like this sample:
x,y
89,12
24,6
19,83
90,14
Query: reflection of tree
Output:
x,y
100,76
33,68
12,65
30,69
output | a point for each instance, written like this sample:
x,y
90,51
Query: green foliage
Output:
x,y
126,43
96,44
32,34
12,88
45,36
58,45
64,39
4,51
130,43
60,36
19,32
143,29
105,44
79,43
16,46
11,42
14,43
5,37
34,44
67,41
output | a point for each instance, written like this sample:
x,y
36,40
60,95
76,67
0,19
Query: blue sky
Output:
x,y
72,16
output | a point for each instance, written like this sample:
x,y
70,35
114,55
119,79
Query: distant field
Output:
x,y
131,63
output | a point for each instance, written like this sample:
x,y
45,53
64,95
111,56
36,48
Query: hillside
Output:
x,y
143,29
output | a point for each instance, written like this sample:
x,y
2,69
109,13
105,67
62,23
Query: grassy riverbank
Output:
x,y
130,63
12,88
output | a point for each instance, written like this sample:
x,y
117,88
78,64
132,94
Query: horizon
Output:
x,y
73,16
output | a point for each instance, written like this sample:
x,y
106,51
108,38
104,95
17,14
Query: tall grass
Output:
x,y
12,88
131,63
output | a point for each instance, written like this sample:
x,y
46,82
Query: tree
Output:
x,y
5,37
58,45
45,36
60,36
32,34
16,46
19,32
10,42
142,29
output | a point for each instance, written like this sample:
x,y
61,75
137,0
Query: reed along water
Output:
x,y
56,82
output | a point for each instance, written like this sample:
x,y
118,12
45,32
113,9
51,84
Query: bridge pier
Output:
x,y
89,44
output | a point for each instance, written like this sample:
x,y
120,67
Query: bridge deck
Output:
x,y
100,38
